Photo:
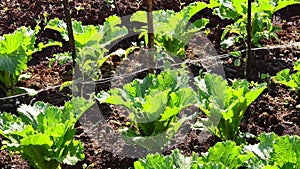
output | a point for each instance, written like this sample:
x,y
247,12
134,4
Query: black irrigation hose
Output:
x,y
106,80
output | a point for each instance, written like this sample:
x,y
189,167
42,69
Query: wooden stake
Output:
x,y
250,70
117,8
149,5
70,30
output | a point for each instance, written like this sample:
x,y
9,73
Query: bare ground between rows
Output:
x,y
275,110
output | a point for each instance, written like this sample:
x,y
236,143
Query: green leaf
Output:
x,y
284,77
175,160
297,65
153,107
190,10
228,154
15,51
38,139
212,86
236,10
74,153
237,62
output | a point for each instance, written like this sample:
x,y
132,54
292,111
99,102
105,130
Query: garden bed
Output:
x,y
274,110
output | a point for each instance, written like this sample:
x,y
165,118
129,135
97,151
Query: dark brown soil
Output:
x,y
275,110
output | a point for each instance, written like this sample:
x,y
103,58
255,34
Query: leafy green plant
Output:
x,y
224,155
276,152
154,104
172,30
43,134
16,50
175,160
236,10
272,152
61,58
84,35
288,78
91,42
225,105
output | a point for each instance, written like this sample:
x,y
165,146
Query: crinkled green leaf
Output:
x,y
276,151
175,160
228,154
15,51
38,139
87,35
153,107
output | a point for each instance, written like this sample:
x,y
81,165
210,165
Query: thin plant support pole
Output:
x,y
76,85
251,72
149,5
70,30
117,8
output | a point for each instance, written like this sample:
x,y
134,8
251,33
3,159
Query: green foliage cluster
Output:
x,y
154,104
16,50
91,42
272,152
43,134
290,78
173,30
236,10
175,160
276,152
225,105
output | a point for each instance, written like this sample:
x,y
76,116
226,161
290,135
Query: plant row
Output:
x,y
173,31
272,152
44,134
